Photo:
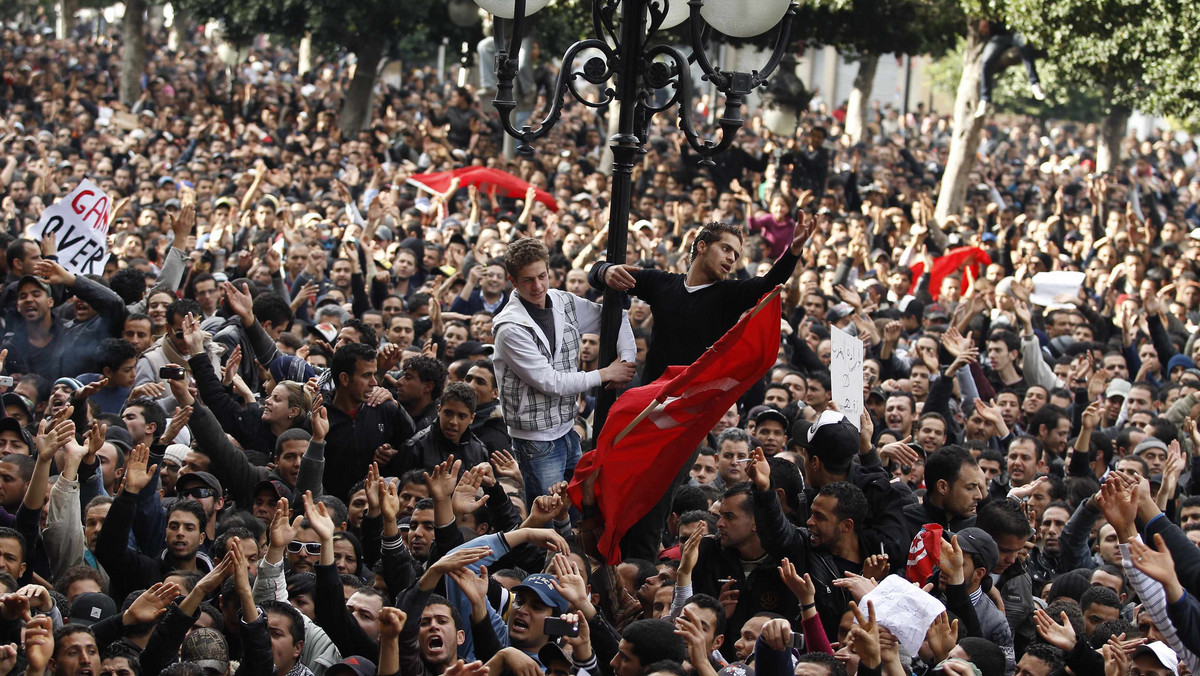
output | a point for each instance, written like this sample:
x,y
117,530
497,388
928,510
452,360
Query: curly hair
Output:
x,y
523,252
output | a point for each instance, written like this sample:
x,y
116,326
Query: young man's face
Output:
x,y
136,425
454,419
284,651
704,470
76,653
438,638
184,534
771,435
625,663
287,463
357,385
532,282
138,333
92,523
11,560
122,376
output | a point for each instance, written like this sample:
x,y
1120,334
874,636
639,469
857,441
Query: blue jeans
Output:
x,y
544,463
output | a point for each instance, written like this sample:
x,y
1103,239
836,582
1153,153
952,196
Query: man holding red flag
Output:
x,y
654,430
692,312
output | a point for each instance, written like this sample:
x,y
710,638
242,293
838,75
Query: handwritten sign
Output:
x,y
79,223
846,371
904,609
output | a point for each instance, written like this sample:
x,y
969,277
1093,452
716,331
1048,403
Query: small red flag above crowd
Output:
x,y
973,258
652,430
484,179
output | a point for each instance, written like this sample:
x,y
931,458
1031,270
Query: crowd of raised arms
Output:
x,y
312,419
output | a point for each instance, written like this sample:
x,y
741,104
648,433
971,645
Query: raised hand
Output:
x,y
857,585
505,465
460,558
876,566
240,302
942,636
570,582
39,644
54,273
1061,636
465,499
444,479
319,519
802,587
137,474
151,604
952,561
690,552
865,636
1158,565
319,419
193,337
900,452
1119,506
49,440
178,421
760,470
391,623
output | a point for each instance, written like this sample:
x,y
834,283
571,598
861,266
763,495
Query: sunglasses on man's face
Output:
x,y
198,493
310,548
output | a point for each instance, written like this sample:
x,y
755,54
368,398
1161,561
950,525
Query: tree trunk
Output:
x,y
181,23
305,54
66,18
133,50
860,96
965,140
356,108
1112,131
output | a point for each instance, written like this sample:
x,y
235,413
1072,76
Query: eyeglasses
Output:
x,y
310,548
198,493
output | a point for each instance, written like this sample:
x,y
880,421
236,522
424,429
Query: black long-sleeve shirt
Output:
x,y
686,323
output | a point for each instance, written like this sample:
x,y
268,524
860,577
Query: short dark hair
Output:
x,y
346,358
709,603
462,393
271,307
655,640
428,370
1047,654
119,649
947,463
994,455
439,600
743,488
1097,594
1046,416
1003,517
112,352
16,250
220,545
826,660
851,502
365,330
180,308
80,572
191,506
1010,339
151,413
67,630
295,619
709,519
666,666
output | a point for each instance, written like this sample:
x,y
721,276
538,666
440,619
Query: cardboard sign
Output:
x,y
846,371
79,223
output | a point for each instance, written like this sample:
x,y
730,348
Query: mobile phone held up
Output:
x,y
171,373
556,626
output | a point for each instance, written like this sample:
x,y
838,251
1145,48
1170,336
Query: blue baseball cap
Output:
x,y
541,585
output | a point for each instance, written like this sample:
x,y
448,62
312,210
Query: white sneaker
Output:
x,y
982,109
1037,92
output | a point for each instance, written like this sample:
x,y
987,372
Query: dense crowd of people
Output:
x,y
313,419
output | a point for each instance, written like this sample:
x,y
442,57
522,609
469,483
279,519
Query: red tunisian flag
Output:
x,y
975,259
652,430
484,179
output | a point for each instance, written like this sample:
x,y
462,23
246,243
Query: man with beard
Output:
x,y
129,569
830,444
831,544
1051,426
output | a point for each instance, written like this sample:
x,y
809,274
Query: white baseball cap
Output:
x,y
1162,653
